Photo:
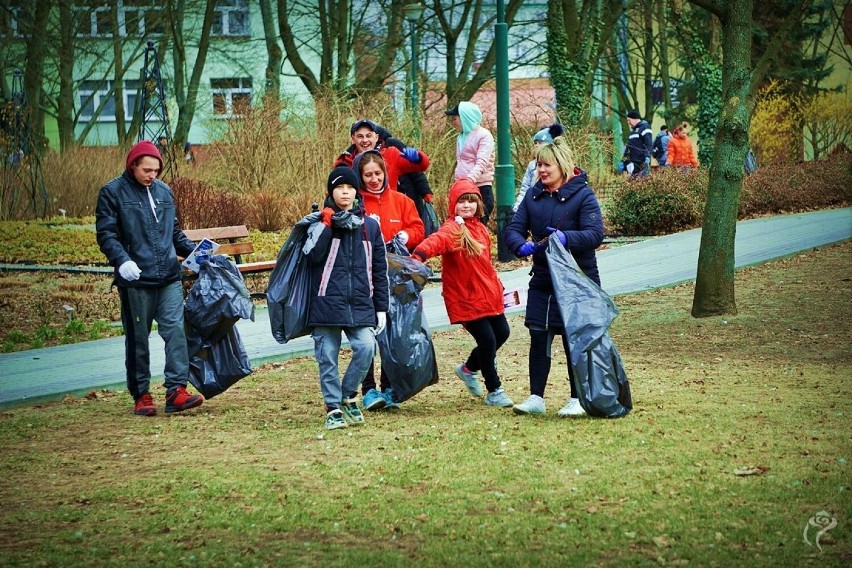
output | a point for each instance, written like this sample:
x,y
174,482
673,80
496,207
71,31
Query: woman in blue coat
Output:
x,y
562,202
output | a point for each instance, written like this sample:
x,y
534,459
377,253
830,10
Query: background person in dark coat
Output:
x,y
637,153
138,232
560,201
349,285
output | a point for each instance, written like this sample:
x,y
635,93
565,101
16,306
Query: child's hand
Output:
x,y
326,216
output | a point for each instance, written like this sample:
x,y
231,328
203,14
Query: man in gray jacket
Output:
x,y
138,231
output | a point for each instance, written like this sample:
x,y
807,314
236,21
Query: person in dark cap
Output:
x,y
367,135
139,233
637,152
349,294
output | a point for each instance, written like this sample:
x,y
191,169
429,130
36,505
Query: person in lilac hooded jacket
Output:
x,y
474,152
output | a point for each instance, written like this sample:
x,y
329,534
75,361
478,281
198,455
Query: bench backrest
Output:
x,y
227,239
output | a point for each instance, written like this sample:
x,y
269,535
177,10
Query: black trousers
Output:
x,y
488,200
540,359
370,379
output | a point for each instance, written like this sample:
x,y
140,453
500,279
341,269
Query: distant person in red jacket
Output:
x,y
398,219
681,151
367,135
473,293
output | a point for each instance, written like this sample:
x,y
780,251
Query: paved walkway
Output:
x,y
27,376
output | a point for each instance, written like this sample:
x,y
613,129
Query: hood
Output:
x,y
356,165
458,189
142,148
470,116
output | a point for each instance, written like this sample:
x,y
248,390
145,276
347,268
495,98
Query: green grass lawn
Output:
x,y
740,435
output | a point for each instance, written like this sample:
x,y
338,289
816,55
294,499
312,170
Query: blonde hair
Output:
x,y
557,152
466,241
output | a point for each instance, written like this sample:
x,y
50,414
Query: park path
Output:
x,y
27,376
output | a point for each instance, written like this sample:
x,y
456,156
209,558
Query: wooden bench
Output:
x,y
230,244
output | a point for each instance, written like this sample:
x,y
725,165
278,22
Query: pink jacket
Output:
x,y
476,160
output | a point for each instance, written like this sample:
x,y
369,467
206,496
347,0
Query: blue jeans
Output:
x,y
327,349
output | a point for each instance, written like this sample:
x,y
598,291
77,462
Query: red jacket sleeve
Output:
x,y
442,241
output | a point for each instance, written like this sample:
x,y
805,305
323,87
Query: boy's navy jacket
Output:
x,y
349,273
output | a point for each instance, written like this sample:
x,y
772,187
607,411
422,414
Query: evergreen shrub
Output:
x,y
665,202
669,200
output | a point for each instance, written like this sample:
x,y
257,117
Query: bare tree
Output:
x,y
186,93
577,34
326,31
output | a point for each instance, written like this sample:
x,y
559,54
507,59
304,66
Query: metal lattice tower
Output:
x,y
22,189
153,114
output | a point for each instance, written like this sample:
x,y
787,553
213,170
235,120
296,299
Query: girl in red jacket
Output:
x,y
473,292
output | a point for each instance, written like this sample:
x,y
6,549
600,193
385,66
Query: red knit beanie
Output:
x,y
143,148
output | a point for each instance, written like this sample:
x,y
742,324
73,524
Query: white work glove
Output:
x,y
403,237
629,168
382,318
129,271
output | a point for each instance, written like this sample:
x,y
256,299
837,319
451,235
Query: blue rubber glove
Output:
x,y
647,160
563,238
526,249
411,154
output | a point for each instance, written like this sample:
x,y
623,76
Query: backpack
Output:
x,y
657,148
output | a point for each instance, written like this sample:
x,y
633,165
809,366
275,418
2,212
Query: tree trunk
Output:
x,y
34,72
275,57
118,77
65,102
662,27
648,48
187,112
714,285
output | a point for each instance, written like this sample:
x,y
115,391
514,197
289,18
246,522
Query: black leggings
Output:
x,y
490,333
540,359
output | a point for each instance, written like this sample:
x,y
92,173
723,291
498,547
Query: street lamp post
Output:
x,y
504,171
412,14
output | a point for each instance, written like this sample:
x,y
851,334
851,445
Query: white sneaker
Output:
x,y
498,398
534,404
573,409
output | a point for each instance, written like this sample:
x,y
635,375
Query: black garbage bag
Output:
x,y
408,356
216,367
587,312
288,295
429,218
218,299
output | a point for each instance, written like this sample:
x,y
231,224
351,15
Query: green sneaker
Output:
x,y
334,420
351,413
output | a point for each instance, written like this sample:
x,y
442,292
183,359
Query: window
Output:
x,y
13,20
136,18
92,93
231,18
231,97
657,92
